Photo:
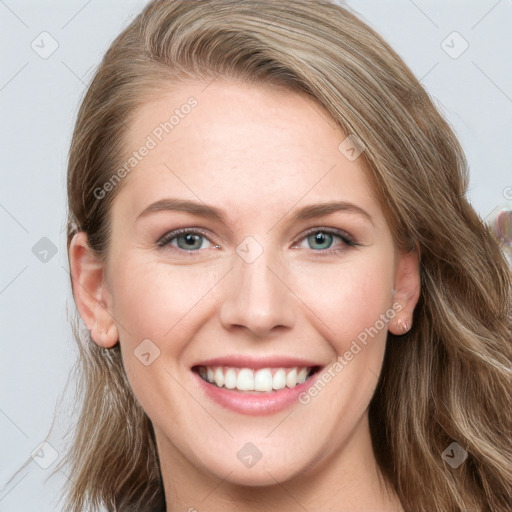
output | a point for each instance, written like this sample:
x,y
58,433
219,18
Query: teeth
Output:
x,y
291,378
263,380
218,377
302,376
246,379
279,380
230,379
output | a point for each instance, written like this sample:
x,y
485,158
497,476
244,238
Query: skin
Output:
x,y
259,154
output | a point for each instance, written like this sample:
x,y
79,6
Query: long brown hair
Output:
x,y
448,379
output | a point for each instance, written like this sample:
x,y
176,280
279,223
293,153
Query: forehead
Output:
x,y
246,148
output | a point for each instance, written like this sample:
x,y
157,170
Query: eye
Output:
x,y
321,240
324,241
190,240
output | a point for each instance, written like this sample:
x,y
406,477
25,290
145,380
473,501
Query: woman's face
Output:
x,y
283,263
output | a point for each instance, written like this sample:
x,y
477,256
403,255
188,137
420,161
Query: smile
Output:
x,y
246,379
251,385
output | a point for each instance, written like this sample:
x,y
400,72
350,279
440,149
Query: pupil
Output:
x,y
322,239
189,241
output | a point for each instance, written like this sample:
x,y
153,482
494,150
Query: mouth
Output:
x,y
257,386
261,380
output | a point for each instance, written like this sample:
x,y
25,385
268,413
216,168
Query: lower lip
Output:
x,y
253,402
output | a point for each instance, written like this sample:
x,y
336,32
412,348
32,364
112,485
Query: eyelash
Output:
x,y
164,242
345,238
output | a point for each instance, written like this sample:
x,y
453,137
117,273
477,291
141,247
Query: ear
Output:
x,y
406,290
90,291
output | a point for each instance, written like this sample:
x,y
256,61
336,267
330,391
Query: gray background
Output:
x,y
39,98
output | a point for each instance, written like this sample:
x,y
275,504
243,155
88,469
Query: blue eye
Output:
x,y
189,241
185,239
321,238
322,241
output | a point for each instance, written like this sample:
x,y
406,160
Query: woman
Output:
x,y
290,303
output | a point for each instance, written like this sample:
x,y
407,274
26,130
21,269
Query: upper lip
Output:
x,y
246,361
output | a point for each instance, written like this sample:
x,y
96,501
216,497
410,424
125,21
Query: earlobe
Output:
x,y
406,291
90,291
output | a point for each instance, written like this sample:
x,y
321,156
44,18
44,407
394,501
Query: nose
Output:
x,y
257,297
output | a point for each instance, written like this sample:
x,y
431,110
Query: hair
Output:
x,y
448,378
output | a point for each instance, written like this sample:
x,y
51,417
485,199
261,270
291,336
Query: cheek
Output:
x,y
161,303
347,298
153,299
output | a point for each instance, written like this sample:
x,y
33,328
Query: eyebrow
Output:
x,y
211,212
